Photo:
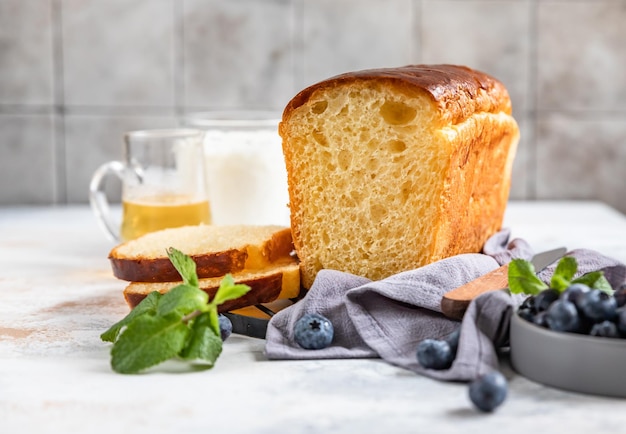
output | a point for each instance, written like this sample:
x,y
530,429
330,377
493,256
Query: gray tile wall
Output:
x,y
76,74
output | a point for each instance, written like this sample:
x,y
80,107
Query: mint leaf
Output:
x,y
147,305
228,290
563,274
214,320
182,299
185,266
148,341
204,345
522,278
595,280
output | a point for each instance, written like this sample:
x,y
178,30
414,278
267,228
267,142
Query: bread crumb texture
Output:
x,y
393,169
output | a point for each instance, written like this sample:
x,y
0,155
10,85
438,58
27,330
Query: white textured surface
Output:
x,y
57,295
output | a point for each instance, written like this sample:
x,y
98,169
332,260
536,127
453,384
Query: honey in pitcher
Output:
x,y
140,216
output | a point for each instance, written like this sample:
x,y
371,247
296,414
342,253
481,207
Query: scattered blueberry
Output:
x,y
434,354
544,299
606,329
313,331
226,327
562,316
488,391
597,305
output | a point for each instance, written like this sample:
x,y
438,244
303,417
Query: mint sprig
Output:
x,y
523,278
181,323
596,280
147,305
185,266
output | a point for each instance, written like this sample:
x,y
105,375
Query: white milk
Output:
x,y
246,177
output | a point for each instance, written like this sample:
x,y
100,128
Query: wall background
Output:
x,y
76,74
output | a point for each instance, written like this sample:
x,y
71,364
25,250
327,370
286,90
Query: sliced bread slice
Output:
x,y
280,280
216,250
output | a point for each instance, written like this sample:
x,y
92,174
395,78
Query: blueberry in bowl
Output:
x,y
580,345
570,333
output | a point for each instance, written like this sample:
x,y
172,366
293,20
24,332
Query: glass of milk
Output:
x,y
245,167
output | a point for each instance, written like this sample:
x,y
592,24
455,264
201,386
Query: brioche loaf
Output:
x,y
278,280
217,250
392,169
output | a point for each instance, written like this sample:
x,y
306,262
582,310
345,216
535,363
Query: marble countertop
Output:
x,y
57,294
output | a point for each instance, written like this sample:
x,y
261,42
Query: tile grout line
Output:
x,y
60,164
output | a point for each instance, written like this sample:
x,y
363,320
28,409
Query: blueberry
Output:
x,y
540,319
574,292
620,295
528,303
488,391
434,354
606,329
226,327
313,331
453,340
597,306
526,314
544,299
621,321
562,316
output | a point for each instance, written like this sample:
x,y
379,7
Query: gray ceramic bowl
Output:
x,y
568,361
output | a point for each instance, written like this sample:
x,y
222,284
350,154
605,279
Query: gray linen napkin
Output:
x,y
388,318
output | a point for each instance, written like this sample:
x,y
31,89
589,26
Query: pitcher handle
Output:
x,y
98,199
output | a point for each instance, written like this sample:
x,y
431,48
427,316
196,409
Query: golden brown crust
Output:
x,y
458,91
162,270
279,246
264,287
476,187
263,290
143,267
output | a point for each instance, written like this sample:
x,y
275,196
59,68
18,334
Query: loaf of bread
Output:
x,y
392,169
216,250
280,280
